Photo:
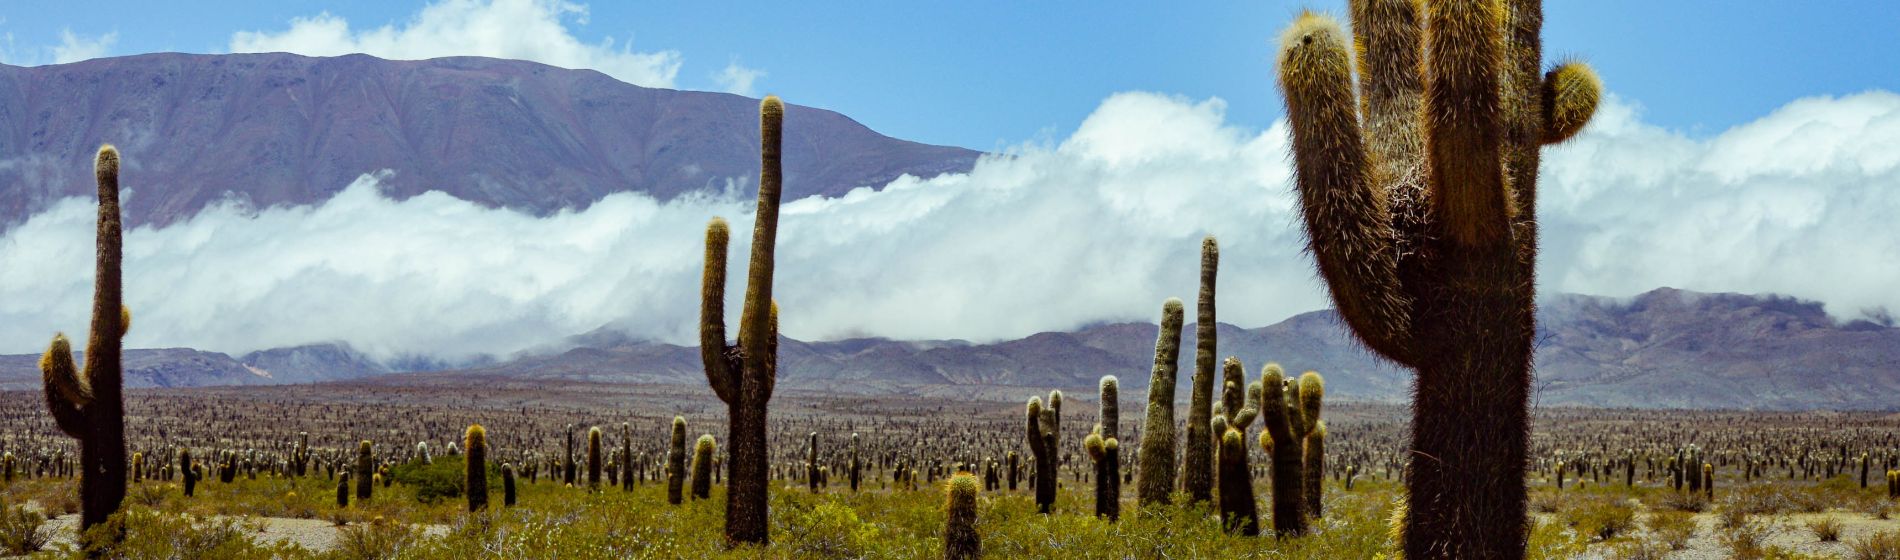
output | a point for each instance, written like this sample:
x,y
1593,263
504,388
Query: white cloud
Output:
x,y
1798,202
519,29
74,48
1101,226
738,80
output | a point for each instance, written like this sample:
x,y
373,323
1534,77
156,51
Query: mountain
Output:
x,y
282,129
1665,348
145,368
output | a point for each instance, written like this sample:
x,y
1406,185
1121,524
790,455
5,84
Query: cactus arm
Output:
x,y
1571,92
1312,393
1464,129
758,289
66,393
1034,431
1349,226
712,313
1391,92
109,316
1245,417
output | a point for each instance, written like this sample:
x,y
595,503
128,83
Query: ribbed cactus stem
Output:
x,y
960,539
1312,397
1197,468
811,462
1157,455
1041,435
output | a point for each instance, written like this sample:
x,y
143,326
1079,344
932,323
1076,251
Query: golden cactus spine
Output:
x,y
703,466
743,375
1043,428
1419,200
89,406
365,471
676,462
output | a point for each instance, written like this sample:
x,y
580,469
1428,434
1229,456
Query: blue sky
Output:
x,y
993,74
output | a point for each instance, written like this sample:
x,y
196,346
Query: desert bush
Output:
x,y
22,531
1639,550
1684,501
1600,518
434,482
1672,528
157,535
377,540
828,530
1826,529
1884,545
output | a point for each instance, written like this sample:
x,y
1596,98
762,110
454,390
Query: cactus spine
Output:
x,y
960,539
742,375
476,479
676,462
1419,202
1044,427
702,467
364,471
1156,457
1288,480
1197,469
89,406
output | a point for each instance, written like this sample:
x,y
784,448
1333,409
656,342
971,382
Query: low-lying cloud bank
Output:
x,y
1100,227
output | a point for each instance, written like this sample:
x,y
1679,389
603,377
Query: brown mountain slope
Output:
x,y
283,129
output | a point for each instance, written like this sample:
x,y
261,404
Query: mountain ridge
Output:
x,y
1662,349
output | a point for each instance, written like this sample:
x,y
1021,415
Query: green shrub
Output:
x,y
22,531
1884,545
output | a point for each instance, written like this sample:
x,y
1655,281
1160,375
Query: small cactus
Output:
x,y
1043,429
855,466
702,467
811,463
1312,392
1238,511
343,490
960,539
365,468
508,484
594,460
475,484
1288,475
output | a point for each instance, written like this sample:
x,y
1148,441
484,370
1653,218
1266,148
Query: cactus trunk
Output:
x,y
1197,469
1156,458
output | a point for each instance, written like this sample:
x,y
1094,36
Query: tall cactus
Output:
x,y
1156,457
742,375
187,471
676,462
475,480
856,472
90,407
508,484
1197,470
1288,481
626,457
568,469
1044,426
1419,200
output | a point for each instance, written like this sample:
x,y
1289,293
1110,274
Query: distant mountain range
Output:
x,y
1665,348
282,129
